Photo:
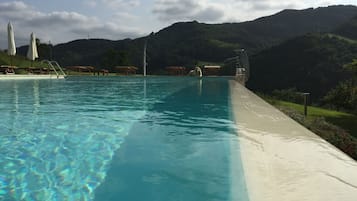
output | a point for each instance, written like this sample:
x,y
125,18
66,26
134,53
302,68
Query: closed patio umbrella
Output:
x,y
32,51
11,49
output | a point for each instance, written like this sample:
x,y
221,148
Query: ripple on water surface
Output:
x,y
58,138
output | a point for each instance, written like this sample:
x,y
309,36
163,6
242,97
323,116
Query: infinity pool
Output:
x,y
119,138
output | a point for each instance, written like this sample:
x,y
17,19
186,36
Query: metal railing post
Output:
x,y
306,99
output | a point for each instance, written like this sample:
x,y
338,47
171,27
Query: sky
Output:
x,y
60,21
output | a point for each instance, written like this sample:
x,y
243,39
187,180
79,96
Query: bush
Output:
x,y
291,95
343,96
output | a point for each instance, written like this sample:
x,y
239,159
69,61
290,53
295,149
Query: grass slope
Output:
x,y
338,128
344,120
19,61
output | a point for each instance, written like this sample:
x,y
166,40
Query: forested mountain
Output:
x,y
348,29
313,63
190,43
310,63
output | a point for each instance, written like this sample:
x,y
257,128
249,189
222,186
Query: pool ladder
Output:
x,y
55,67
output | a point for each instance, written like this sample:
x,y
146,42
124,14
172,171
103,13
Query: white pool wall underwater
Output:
x,y
283,160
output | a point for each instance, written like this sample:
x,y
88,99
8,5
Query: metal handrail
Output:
x,y
50,64
59,67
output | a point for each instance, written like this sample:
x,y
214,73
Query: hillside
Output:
x,y
311,63
188,43
17,60
348,29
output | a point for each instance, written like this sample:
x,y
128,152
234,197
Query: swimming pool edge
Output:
x,y
282,160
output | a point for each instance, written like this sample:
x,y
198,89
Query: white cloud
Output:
x,y
211,11
122,17
182,10
121,3
12,6
56,26
112,4
243,10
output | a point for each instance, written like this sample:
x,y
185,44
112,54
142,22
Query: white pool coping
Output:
x,y
30,77
282,160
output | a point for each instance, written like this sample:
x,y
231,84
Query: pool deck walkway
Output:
x,y
30,77
284,161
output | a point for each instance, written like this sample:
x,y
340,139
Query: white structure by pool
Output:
x,y
283,161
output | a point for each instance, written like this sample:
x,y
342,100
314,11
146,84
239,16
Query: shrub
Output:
x,y
291,95
343,96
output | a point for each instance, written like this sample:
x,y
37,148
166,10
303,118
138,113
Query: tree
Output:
x,y
38,41
352,67
114,58
343,96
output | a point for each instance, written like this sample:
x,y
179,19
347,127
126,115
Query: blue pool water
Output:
x,y
118,138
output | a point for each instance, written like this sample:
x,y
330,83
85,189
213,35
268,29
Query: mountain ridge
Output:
x,y
189,43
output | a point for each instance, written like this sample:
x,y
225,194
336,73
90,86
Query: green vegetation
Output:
x,y
338,128
311,63
348,29
352,67
343,97
341,38
344,120
113,58
19,61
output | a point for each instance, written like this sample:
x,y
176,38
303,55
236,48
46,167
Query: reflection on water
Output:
x,y
200,87
36,96
58,139
16,97
179,150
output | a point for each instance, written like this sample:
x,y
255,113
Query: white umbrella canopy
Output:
x,y
32,51
11,50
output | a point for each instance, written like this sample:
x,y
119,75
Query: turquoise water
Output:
x,y
102,138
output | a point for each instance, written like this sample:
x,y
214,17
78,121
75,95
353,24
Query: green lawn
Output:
x,y
19,61
344,120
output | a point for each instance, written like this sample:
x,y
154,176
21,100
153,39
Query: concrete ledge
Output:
x,y
282,160
29,77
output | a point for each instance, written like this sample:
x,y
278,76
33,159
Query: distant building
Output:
x,y
88,69
101,72
176,70
126,70
211,70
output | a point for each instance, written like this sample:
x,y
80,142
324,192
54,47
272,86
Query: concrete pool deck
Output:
x,y
282,160
30,77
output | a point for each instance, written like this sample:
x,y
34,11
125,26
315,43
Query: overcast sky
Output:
x,y
61,21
